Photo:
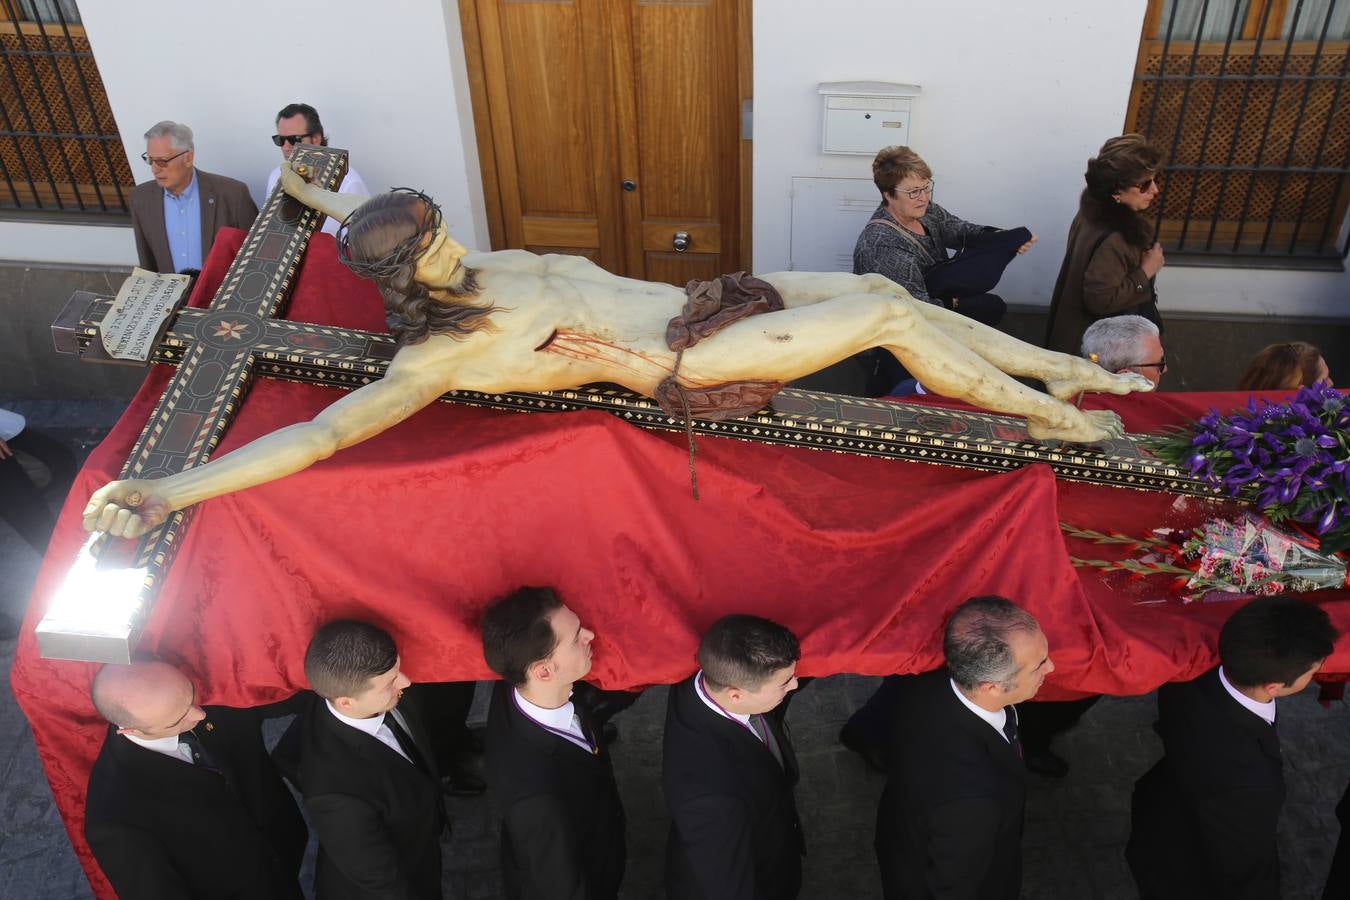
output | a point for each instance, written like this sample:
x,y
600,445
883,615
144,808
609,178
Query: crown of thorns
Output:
x,y
404,253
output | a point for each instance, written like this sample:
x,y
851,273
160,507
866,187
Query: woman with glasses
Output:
x,y
905,239
1112,258
909,233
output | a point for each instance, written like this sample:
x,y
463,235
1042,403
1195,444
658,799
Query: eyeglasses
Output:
x,y
915,193
1160,365
1145,185
161,163
291,139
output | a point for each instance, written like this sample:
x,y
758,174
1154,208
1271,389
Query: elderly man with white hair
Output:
x,y
1126,344
176,216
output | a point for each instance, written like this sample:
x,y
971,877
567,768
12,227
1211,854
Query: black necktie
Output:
x,y
761,726
586,731
199,755
1010,729
405,741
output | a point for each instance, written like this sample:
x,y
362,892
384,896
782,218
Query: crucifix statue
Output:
x,y
512,320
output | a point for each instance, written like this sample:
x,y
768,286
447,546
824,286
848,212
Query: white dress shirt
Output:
x,y
11,423
169,746
1264,710
563,719
996,720
374,726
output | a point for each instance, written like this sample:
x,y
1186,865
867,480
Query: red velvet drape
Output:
x,y
419,527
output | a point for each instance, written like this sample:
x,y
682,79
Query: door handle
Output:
x,y
681,241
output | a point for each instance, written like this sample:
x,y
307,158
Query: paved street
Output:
x,y
1076,828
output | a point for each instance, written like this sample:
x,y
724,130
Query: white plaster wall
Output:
x,y
1255,292
94,245
1016,97
389,80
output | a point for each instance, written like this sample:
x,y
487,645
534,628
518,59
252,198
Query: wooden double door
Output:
x,y
612,129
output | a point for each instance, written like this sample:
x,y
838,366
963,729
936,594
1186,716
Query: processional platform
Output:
x,y
220,349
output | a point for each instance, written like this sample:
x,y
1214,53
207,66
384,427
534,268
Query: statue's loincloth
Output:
x,y
710,307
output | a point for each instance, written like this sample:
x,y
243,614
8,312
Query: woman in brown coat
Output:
x,y
1112,259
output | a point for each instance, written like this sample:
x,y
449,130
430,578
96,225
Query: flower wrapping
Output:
x,y
1251,556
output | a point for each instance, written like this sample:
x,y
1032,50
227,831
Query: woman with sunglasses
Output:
x,y
1112,258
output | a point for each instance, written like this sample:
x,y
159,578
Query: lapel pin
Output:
x,y
210,727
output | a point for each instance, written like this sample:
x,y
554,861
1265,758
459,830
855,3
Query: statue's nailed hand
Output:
x,y
126,508
292,182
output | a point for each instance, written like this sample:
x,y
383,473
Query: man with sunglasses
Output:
x,y
176,216
298,123
183,800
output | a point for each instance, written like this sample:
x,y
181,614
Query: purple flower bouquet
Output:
x,y
1291,460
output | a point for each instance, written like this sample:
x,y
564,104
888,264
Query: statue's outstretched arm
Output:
x,y
332,204
132,507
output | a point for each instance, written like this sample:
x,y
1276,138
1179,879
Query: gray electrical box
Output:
x,y
861,117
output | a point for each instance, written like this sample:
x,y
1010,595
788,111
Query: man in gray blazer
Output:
x,y
176,216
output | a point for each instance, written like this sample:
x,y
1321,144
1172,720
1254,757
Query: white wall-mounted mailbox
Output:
x,y
861,117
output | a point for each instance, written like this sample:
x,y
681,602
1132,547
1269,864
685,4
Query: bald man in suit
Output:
x,y
183,801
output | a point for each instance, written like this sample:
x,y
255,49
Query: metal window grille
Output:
x,y
1247,101
60,151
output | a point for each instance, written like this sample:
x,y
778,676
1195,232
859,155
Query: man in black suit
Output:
x,y
551,778
366,771
729,771
1204,817
950,819
1338,879
183,800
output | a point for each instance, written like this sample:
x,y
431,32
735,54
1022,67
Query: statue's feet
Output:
x,y
1088,426
1092,377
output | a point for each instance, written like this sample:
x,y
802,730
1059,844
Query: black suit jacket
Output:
x,y
734,831
562,820
163,828
378,816
1338,880
225,202
1204,817
950,819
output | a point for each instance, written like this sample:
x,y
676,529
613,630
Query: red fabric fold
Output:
x,y
419,527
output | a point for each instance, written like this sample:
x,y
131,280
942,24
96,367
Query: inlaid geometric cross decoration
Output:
x,y
201,399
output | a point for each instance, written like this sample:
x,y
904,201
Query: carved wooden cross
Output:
x,y
219,348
